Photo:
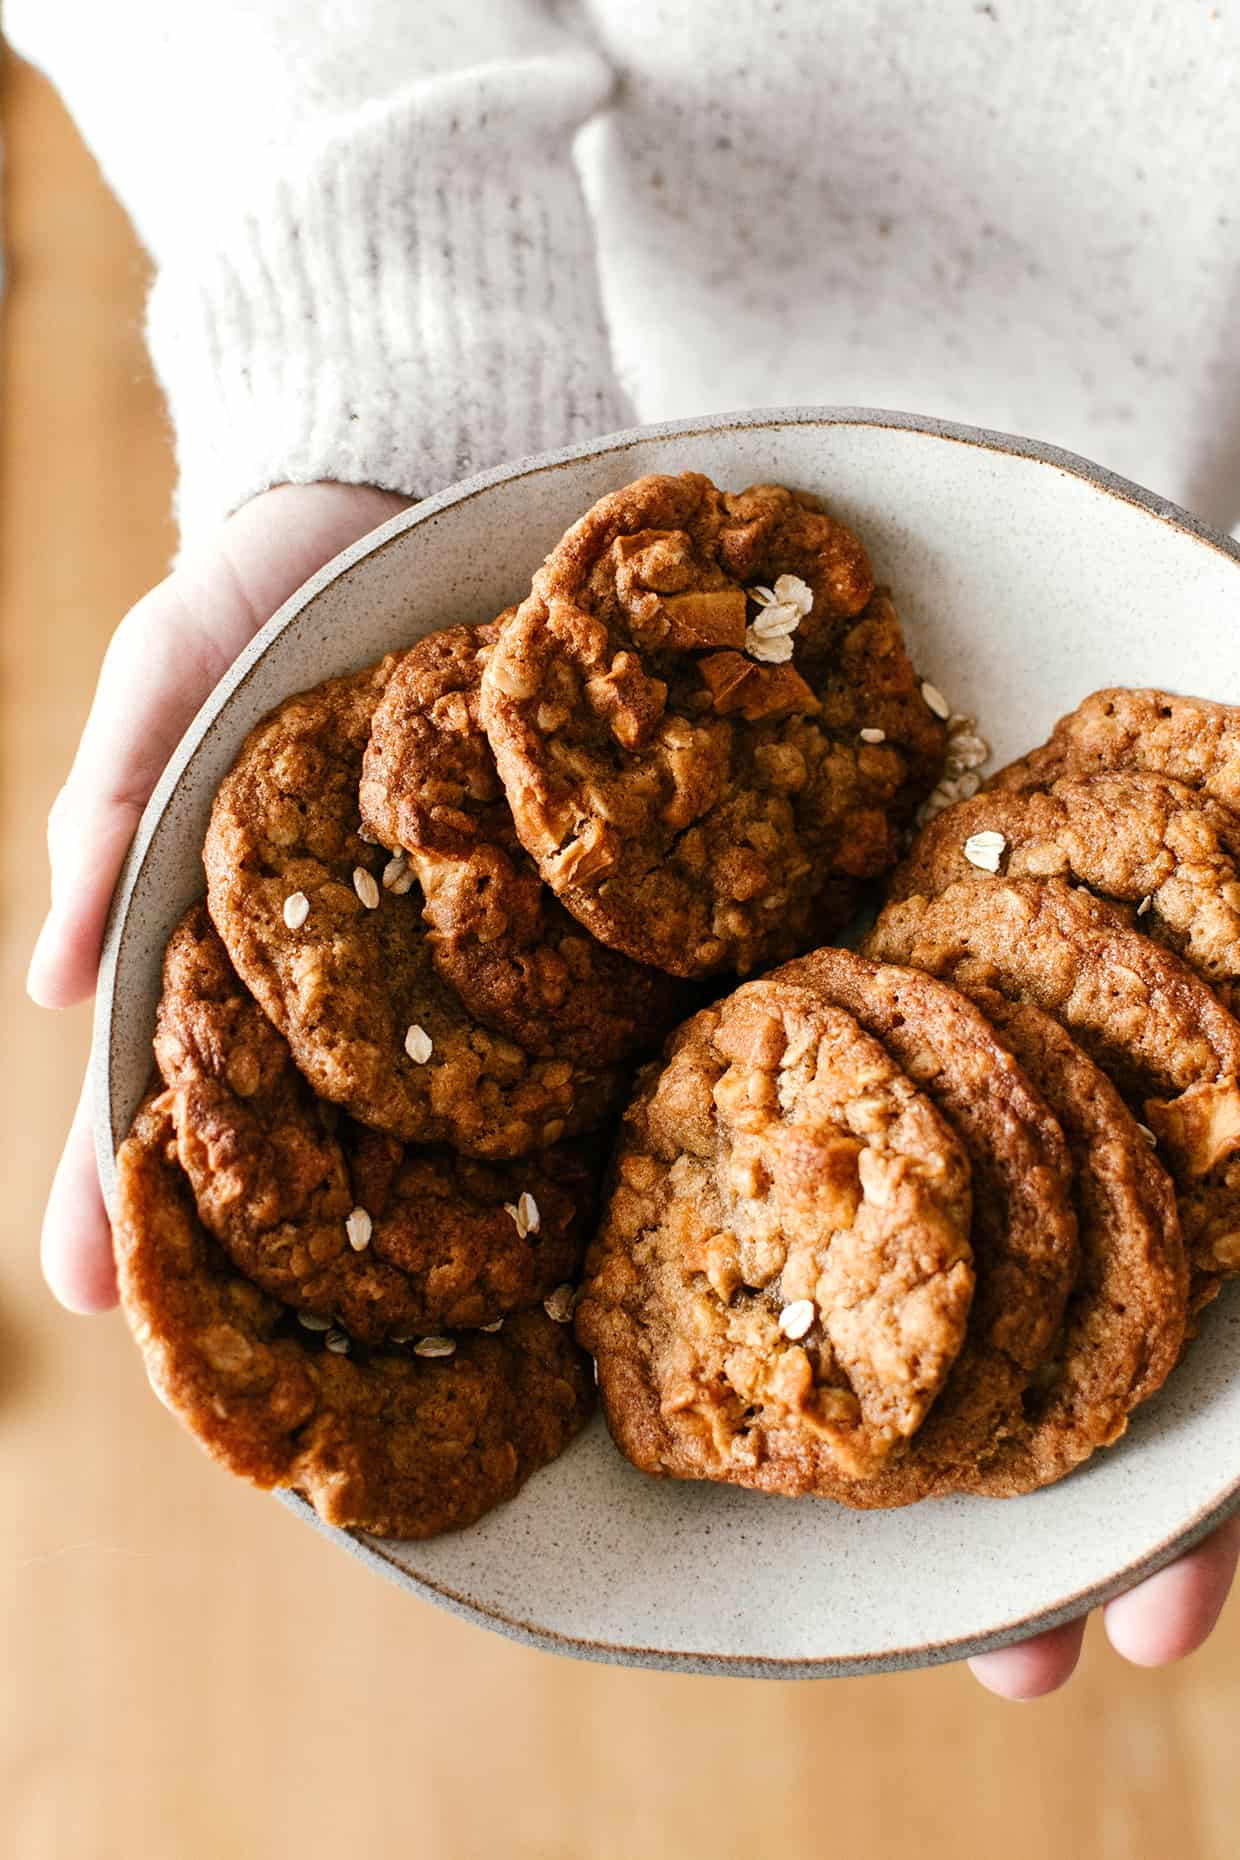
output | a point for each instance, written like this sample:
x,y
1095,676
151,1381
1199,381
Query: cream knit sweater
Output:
x,y
396,241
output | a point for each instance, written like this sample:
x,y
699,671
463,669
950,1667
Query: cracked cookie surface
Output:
x,y
783,1278
1134,837
677,710
1141,1013
331,1217
342,964
1189,739
388,1443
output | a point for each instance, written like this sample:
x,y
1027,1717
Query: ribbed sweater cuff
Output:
x,y
417,302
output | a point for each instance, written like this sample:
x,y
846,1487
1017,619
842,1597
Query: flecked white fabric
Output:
x,y
391,240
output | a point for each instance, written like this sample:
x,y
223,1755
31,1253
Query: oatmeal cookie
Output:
x,y
1138,838
702,715
1024,1233
341,962
334,1218
1187,738
1125,1319
783,1278
499,937
399,1445
1140,1012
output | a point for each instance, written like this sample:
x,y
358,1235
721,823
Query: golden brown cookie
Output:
x,y
1187,738
335,1219
1124,1324
499,937
1024,1232
399,1445
341,962
1140,1012
1139,838
783,1277
677,712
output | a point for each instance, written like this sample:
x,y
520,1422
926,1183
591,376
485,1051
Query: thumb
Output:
x,y
164,659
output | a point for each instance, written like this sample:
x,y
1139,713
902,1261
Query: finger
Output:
x,y
1171,1614
1032,1667
157,670
65,960
77,1238
313,523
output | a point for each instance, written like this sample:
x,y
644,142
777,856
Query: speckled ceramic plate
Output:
x,y
1025,578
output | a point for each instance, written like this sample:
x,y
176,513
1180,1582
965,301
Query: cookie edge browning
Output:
x,y
163,1253
1063,752
846,978
496,977
1095,1119
518,746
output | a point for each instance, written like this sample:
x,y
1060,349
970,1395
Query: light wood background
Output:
x,y
185,1671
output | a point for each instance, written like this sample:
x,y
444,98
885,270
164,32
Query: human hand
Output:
x,y
1164,1618
164,659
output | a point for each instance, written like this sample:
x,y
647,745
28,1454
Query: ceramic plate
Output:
x,y
1025,578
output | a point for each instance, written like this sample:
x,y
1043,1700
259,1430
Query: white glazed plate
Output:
x,y
1025,578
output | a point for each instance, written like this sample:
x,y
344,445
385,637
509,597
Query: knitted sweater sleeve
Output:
x,y
373,260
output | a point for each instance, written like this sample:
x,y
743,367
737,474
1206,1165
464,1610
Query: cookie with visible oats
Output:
x,y
499,937
677,710
1134,837
1024,1232
398,1445
1140,1012
783,1277
342,964
328,1216
1189,739
1124,1325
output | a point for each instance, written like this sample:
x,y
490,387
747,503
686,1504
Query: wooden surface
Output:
x,y
189,1673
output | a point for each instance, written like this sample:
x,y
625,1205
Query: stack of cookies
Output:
x,y
938,1216
451,899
